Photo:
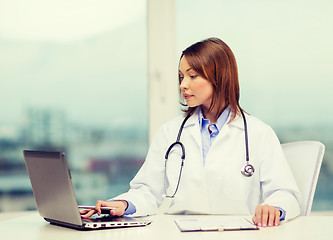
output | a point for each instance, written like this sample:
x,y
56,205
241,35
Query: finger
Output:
x,y
82,212
120,208
88,214
277,218
85,211
117,212
258,215
254,220
271,216
98,207
264,217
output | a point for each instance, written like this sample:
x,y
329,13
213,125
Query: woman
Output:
x,y
213,135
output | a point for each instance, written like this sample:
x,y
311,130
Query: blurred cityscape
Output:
x,y
104,160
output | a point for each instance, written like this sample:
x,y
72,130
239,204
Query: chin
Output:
x,y
192,105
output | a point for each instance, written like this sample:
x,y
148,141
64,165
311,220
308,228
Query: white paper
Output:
x,y
206,224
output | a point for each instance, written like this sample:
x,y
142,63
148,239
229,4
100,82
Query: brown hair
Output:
x,y
213,60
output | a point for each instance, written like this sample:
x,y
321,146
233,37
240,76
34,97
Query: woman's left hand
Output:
x,y
266,216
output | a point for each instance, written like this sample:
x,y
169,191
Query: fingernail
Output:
x,y
259,224
270,225
264,225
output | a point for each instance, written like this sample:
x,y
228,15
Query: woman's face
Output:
x,y
195,89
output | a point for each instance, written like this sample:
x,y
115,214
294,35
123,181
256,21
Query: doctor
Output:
x,y
212,178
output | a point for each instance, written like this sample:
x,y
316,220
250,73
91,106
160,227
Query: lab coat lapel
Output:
x,y
192,125
237,122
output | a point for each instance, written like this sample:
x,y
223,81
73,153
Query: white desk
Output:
x,y
32,226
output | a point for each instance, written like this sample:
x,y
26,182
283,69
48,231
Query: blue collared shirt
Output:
x,y
209,131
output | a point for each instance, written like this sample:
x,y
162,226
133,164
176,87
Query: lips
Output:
x,y
187,96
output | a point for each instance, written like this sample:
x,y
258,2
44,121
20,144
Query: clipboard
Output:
x,y
215,224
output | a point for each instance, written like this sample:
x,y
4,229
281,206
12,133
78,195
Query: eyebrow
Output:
x,y
186,70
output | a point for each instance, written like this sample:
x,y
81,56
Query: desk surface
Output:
x,y
32,226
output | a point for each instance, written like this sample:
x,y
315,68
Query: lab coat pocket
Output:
x,y
239,187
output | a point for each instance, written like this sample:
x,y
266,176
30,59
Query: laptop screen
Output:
x,y
52,186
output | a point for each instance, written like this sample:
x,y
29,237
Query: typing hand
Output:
x,y
266,216
118,208
87,213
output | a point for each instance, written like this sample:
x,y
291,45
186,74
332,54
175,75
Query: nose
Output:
x,y
184,84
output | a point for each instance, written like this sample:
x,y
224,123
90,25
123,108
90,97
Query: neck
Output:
x,y
210,115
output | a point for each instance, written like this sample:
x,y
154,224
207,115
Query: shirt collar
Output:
x,y
220,121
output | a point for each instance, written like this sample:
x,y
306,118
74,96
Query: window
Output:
x,y
74,79
284,55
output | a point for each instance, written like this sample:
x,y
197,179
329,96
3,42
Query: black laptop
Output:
x,y
55,198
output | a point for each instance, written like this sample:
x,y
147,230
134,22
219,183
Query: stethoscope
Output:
x,y
247,170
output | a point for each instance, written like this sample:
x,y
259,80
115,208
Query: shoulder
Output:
x,y
170,128
255,126
261,131
252,122
256,122
176,121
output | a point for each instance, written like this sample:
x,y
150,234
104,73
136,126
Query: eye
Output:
x,y
180,78
193,76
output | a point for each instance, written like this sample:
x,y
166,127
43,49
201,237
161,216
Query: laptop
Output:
x,y
52,186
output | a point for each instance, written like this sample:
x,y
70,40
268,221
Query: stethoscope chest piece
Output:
x,y
247,170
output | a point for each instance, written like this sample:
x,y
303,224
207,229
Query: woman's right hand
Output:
x,y
119,205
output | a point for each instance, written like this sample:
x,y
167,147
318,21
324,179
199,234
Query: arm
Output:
x,y
279,189
147,187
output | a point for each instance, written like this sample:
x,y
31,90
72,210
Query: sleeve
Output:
x,y
282,213
147,187
278,184
131,209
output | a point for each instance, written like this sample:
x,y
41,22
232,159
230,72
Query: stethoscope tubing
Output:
x,y
246,138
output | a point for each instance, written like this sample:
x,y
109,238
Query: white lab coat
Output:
x,y
216,187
